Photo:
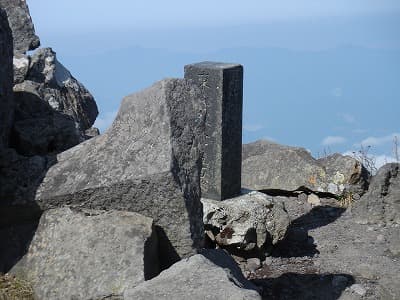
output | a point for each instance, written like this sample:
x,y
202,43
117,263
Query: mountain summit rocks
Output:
x,y
149,162
44,110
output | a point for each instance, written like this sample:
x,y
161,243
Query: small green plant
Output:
x,y
12,288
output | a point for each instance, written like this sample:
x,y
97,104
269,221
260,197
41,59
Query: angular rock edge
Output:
x,y
149,162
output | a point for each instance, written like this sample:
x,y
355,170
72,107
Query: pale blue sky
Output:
x,y
94,15
324,75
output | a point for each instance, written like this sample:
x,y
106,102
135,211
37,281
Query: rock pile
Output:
x,y
44,110
129,214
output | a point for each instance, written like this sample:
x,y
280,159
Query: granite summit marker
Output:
x,y
222,85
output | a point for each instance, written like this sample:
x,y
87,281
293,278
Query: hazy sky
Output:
x,y
94,15
324,75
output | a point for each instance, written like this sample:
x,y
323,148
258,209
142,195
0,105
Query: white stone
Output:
x,y
358,289
313,200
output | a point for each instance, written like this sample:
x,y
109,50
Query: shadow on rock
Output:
x,y
15,241
305,286
297,242
38,134
167,254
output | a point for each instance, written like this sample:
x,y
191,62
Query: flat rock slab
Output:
x,y
270,166
89,254
212,275
149,162
247,221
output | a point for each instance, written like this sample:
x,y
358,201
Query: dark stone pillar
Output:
x,y
222,85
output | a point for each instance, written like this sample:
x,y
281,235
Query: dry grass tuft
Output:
x,y
12,288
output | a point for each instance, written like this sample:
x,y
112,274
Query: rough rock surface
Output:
x,y
53,110
6,99
270,166
381,204
89,254
21,25
344,171
149,162
211,275
247,221
326,254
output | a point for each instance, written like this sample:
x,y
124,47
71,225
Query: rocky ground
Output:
x,y
327,255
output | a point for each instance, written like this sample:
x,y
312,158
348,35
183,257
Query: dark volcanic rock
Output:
x,y
210,275
53,109
21,25
19,176
6,99
270,166
381,204
89,254
149,161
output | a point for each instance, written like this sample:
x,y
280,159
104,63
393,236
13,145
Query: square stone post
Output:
x,y
222,85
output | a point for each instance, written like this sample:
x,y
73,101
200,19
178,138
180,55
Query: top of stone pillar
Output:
x,y
213,65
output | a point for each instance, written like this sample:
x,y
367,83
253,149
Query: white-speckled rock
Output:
x,y
246,221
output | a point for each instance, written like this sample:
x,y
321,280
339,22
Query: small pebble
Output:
x,y
253,264
358,289
313,200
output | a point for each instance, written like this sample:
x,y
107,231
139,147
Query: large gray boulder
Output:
x,y
53,109
270,166
6,99
249,221
89,254
149,162
211,275
21,25
381,204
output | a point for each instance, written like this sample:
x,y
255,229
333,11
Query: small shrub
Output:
x,y
367,160
346,199
12,288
